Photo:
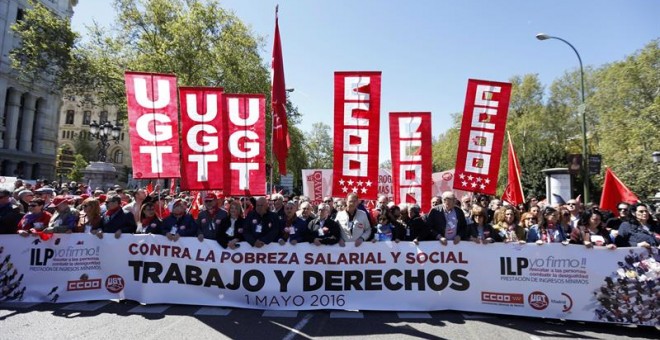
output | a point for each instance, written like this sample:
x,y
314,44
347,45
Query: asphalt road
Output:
x,y
129,320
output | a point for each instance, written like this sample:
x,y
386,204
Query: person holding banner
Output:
x,y
354,223
639,231
230,229
148,220
209,219
294,227
116,220
412,227
35,220
64,219
447,221
547,230
262,226
507,226
480,231
90,218
591,232
323,229
180,222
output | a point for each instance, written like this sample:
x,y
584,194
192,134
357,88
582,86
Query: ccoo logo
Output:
x,y
538,300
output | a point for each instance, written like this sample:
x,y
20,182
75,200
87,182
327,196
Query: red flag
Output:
x,y
514,191
194,207
150,188
173,187
614,191
280,141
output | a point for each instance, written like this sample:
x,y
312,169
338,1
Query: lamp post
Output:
x,y
581,110
105,133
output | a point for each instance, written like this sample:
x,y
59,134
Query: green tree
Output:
x,y
85,148
297,159
78,165
445,147
319,146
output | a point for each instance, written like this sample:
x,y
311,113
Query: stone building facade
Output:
x,y
29,116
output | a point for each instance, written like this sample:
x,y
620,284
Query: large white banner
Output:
x,y
551,281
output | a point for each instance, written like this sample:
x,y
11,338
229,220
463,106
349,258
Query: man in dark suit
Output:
x,y
447,221
116,220
10,214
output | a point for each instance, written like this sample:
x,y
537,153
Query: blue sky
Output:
x,y
427,50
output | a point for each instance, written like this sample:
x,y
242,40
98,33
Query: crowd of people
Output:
x,y
45,209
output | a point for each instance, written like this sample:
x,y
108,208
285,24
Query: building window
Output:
x,y
69,117
122,136
87,117
63,134
103,117
119,157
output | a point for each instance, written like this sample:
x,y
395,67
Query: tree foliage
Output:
x,y
78,166
319,146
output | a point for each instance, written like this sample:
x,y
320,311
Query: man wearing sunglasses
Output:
x,y
209,218
622,214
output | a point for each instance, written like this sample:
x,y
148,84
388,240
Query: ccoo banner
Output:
x,y
357,127
482,136
547,281
411,157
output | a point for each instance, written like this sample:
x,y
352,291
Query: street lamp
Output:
x,y
581,110
105,133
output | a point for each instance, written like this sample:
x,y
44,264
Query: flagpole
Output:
x,y
272,120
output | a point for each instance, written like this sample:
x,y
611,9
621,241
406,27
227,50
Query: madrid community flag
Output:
x,y
614,191
514,191
280,140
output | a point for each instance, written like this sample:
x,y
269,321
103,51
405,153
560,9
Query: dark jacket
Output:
x,y
414,229
265,228
535,233
10,215
225,234
437,223
488,232
120,220
184,225
328,233
154,226
208,225
294,231
631,233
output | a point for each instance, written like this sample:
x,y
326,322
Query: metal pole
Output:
x,y
582,111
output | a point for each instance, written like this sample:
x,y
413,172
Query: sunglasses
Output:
x,y
570,203
623,209
327,201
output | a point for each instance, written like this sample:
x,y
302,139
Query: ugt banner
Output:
x,y
410,134
246,145
153,124
544,281
482,136
202,148
356,138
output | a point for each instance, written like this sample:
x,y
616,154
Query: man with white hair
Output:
x,y
446,221
354,223
323,229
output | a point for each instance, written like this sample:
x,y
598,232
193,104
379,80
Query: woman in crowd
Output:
x,y
148,220
565,220
230,230
36,219
548,229
527,220
480,231
506,225
640,230
90,217
591,232
384,230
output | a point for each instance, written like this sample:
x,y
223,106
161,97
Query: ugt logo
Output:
x,y
507,267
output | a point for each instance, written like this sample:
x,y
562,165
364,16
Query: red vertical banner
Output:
x,y
245,168
482,136
202,145
280,142
357,123
153,124
410,140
